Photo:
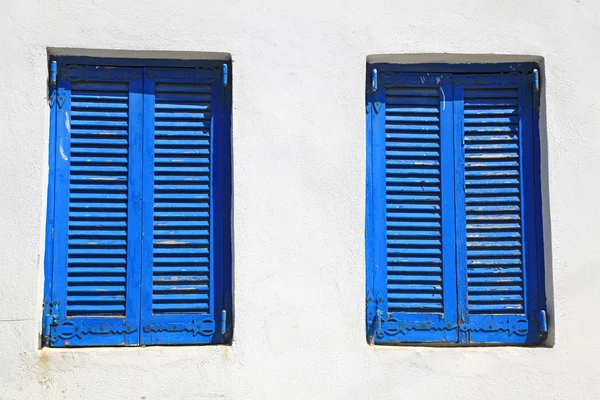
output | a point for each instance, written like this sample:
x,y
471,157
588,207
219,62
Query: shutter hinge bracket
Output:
x,y
50,320
379,326
60,96
225,74
204,327
543,320
370,305
375,317
374,80
377,107
379,315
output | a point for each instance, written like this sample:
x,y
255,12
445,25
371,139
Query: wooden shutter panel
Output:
x,y
95,289
184,206
495,209
412,221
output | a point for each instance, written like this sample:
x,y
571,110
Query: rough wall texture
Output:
x,y
299,176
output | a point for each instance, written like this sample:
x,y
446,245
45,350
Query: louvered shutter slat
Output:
x,y
181,157
82,268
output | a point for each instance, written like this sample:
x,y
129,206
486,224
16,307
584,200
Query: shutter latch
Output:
x,y
223,321
543,320
535,78
225,74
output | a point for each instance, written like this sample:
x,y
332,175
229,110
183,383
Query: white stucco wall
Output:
x,y
299,177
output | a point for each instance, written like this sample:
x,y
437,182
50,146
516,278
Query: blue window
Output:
x,y
138,223
454,237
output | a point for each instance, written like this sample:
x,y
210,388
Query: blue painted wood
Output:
x,y
529,230
378,210
185,245
49,231
461,220
457,68
134,218
95,291
411,210
497,276
137,62
500,211
449,275
369,217
222,206
53,72
94,262
537,194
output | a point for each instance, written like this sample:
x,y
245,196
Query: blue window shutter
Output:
x,y
410,223
496,226
97,189
185,217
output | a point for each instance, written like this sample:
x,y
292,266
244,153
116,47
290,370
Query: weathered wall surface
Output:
x,y
299,177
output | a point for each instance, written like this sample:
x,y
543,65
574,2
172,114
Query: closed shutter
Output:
x,y
497,263
414,298
184,215
97,206
453,226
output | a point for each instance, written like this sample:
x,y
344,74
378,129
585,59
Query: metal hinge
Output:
x,y
53,73
380,315
374,79
50,320
370,310
543,320
56,93
535,78
379,322
225,74
223,322
375,316
52,83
